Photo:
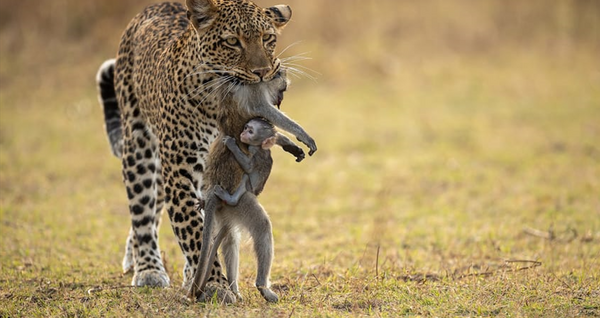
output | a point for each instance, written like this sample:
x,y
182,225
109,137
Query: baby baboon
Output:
x,y
241,166
259,135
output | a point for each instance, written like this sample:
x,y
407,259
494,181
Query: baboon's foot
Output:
x,y
268,294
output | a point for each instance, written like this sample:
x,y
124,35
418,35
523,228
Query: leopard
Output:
x,y
162,98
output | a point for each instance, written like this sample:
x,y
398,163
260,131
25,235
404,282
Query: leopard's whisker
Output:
x,y
201,66
209,68
207,90
206,86
297,57
300,74
296,74
213,84
210,72
288,47
227,91
302,67
296,70
214,90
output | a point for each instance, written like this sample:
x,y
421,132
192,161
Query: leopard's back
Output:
x,y
143,64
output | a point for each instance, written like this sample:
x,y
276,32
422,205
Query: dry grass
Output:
x,y
458,169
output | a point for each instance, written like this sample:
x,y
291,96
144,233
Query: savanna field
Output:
x,y
458,170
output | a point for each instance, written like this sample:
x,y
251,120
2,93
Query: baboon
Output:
x,y
230,170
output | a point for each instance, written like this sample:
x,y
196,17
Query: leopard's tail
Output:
x,y
105,79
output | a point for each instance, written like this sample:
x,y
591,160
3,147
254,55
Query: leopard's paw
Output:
x,y
218,293
128,262
151,278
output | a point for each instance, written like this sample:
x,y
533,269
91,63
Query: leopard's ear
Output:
x,y
201,13
280,15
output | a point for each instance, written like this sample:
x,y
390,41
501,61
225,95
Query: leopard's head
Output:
x,y
237,38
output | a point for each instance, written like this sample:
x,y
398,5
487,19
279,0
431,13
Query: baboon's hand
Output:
x,y
310,143
296,151
229,141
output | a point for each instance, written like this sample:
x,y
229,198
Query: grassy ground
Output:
x,y
457,183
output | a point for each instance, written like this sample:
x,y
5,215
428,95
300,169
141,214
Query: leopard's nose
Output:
x,y
261,72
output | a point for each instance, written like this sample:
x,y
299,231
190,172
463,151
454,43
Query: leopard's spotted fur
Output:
x,y
174,66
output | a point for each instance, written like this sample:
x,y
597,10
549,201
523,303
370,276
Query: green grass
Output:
x,y
458,173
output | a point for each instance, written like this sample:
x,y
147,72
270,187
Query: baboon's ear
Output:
x,y
280,15
269,142
201,13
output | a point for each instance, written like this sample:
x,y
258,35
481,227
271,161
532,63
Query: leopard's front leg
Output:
x,y
181,170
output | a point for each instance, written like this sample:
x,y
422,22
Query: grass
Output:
x,y
446,184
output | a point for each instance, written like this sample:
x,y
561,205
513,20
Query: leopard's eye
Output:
x,y
232,41
268,38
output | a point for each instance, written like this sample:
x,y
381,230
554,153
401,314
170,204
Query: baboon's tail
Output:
x,y
105,80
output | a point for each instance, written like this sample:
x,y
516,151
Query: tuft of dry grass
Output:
x,y
457,173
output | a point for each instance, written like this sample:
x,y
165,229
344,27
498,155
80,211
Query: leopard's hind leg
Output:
x,y
105,81
131,243
141,175
132,141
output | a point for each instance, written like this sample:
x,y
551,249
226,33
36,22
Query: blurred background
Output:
x,y
349,41
444,129
453,135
